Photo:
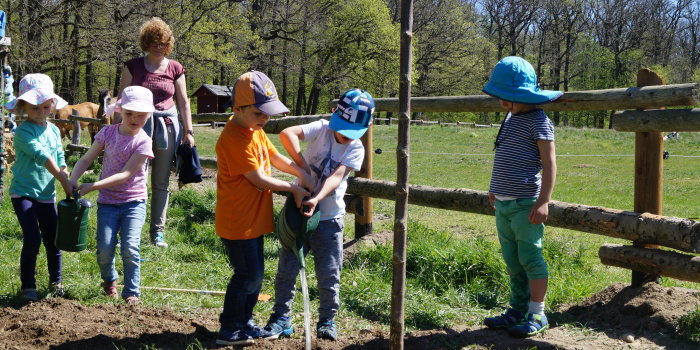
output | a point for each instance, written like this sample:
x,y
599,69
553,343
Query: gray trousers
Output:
x,y
326,244
161,164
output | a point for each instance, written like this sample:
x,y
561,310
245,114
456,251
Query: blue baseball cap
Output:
x,y
513,79
353,115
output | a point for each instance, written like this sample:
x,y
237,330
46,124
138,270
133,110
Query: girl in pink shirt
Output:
x,y
121,203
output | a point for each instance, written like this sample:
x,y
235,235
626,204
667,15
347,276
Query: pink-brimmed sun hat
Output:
x,y
134,98
36,88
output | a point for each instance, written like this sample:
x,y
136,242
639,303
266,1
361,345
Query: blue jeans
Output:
x,y
248,263
38,222
126,219
326,243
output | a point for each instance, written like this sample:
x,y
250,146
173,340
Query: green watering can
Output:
x,y
71,231
294,228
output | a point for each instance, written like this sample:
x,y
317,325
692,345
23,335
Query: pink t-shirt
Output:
x,y
118,149
161,84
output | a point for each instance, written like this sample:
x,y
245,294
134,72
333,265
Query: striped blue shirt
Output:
x,y
517,163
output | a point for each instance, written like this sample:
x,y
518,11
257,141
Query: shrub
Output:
x,y
689,325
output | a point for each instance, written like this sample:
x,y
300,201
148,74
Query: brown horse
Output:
x,y
85,109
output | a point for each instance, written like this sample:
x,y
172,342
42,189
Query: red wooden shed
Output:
x,y
213,98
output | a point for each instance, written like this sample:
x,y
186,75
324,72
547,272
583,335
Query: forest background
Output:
x,y
315,49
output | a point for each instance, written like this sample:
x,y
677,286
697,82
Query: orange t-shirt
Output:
x,y
243,211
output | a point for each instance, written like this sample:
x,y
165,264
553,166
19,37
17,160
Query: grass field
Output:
x,y
455,273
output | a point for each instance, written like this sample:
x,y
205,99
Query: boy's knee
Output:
x,y
535,267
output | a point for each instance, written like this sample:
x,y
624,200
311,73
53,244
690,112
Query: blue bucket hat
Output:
x,y
513,79
353,115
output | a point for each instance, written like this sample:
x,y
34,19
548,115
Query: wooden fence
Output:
x,y
641,228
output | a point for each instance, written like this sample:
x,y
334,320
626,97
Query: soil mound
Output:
x,y
649,315
650,307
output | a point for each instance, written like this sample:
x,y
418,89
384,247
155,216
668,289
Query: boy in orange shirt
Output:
x,y
244,186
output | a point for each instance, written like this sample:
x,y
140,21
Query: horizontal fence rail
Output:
x,y
590,100
676,233
657,120
653,261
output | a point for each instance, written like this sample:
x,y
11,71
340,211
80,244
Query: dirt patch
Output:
x,y
647,316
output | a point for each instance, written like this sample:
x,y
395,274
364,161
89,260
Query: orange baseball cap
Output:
x,y
255,88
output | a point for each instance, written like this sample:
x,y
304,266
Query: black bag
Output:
x,y
188,168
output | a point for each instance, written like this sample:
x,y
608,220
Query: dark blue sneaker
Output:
x,y
279,327
255,332
508,319
234,337
326,329
531,325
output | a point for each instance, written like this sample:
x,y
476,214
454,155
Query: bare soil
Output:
x,y
646,316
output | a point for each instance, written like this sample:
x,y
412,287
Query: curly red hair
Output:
x,y
156,31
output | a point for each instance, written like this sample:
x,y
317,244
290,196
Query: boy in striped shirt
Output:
x,y
524,172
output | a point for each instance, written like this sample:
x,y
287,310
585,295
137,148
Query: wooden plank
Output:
x,y
657,120
590,100
86,119
652,261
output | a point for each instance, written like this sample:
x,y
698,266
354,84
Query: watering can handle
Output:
x,y
305,208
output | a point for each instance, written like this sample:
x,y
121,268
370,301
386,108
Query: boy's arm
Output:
x,y
290,138
329,185
283,163
84,162
261,180
132,166
540,210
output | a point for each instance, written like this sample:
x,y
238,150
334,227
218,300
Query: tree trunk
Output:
x,y
652,261
301,89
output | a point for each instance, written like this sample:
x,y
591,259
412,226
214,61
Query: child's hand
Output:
x,y
308,206
539,213
299,194
67,186
307,181
85,188
492,200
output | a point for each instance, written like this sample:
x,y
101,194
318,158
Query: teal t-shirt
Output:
x,y
35,144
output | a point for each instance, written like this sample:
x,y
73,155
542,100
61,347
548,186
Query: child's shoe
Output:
x,y
279,327
110,288
326,329
132,300
508,319
255,331
531,325
234,337
29,295
158,240
56,289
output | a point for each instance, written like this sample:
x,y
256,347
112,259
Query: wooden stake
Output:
x,y
648,174
363,222
398,284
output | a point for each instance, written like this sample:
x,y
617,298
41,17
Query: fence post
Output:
x,y
648,174
76,127
363,223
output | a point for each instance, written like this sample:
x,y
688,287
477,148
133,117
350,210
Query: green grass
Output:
x,y
455,274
